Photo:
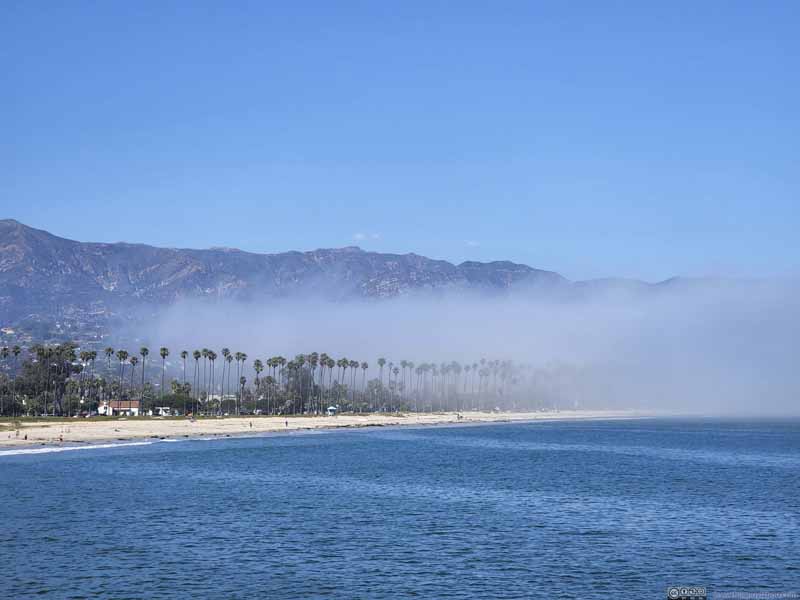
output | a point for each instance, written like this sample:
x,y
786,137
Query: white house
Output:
x,y
129,408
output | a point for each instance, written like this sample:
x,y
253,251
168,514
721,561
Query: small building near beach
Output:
x,y
331,411
128,408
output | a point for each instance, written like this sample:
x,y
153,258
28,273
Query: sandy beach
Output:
x,y
75,431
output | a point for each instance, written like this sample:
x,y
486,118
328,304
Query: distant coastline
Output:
x,y
68,432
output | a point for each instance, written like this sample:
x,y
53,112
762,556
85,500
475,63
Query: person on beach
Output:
x,y
251,424
287,422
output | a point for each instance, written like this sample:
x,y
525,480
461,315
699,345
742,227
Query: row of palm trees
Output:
x,y
211,383
45,376
5,353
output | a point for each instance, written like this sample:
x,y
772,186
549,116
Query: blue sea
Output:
x,y
600,509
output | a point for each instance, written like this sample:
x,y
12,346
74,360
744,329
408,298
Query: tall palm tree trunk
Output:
x,y
163,370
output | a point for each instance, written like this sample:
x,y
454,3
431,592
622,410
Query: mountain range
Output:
x,y
48,279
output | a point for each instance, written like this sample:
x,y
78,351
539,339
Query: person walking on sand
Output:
x,y
287,422
251,424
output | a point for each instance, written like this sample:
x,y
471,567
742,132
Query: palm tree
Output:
x,y
410,366
323,363
16,350
423,378
93,357
269,381
144,351
271,365
389,385
401,387
313,361
228,359
281,366
84,358
258,366
396,372
456,368
342,363
133,360
184,356
212,356
244,359
164,353
109,352
225,363
364,367
420,373
331,364
299,361
41,356
196,356
238,356
122,356
205,352
483,385
354,364
381,364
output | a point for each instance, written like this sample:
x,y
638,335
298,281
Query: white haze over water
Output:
x,y
727,348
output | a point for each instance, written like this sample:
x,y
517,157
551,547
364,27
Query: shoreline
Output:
x,y
69,432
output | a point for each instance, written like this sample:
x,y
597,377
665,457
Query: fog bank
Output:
x,y
721,348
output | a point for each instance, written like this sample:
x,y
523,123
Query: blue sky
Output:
x,y
593,138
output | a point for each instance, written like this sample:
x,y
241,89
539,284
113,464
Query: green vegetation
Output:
x,y
62,380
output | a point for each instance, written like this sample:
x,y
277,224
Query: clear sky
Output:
x,y
640,139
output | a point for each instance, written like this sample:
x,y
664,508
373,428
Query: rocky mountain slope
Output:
x,y
44,277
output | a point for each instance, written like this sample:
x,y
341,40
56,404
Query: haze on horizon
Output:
x,y
722,348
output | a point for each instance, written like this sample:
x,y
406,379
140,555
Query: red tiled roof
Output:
x,y
123,404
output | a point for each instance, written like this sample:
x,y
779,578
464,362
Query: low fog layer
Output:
x,y
724,348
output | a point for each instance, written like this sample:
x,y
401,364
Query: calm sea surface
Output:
x,y
603,509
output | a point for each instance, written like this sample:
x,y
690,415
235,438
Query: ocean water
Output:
x,y
604,509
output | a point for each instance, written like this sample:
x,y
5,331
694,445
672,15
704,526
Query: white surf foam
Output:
x,y
51,449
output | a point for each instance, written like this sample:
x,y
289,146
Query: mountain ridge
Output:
x,y
87,287
342,249
46,277
7,224
83,290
